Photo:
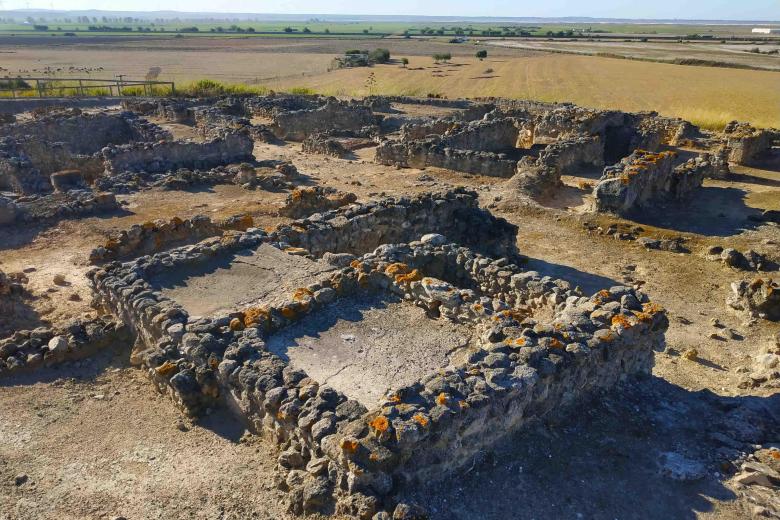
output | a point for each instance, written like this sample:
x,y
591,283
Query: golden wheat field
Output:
x,y
707,96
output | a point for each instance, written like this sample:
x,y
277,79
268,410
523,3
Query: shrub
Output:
x,y
442,57
379,56
404,61
41,27
481,54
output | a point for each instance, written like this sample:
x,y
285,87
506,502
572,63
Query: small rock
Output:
x,y
58,344
20,479
691,354
59,279
756,473
677,467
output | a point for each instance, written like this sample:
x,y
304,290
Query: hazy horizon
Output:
x,y
698,10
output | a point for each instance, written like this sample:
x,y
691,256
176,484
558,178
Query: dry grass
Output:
x,y
707,96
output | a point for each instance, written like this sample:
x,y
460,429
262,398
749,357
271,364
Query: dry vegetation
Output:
x,y
707,96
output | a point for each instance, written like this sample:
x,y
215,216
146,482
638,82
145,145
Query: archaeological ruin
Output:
x,y
381,342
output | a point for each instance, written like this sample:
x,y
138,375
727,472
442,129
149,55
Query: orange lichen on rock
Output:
x,y
396,269
395,398
421,419
111,244
349,445
176,221
556,343
289,312
603,293
236,324
379,423
621,321
643,317
652,308
296,250
165,369
442,399
302,294
413,276
256,316
518,342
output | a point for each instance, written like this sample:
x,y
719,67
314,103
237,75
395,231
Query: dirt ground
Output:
x,y
96,441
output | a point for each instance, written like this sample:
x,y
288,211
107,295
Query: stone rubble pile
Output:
x,y
759,297
50,209
77,339
302,202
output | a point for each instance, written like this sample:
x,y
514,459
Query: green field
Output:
x,y
376,29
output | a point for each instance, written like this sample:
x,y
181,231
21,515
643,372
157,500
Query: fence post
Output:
x,y
173,88
81,88
38,85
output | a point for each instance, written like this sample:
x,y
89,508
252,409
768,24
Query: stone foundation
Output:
x,y
538,345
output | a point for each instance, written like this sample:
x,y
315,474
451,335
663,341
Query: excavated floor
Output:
x,y
234,283
364,346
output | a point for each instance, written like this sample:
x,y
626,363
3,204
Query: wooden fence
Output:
x,y
27,87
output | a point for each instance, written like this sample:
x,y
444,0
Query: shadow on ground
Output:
x,y
589,283
605,460
710,211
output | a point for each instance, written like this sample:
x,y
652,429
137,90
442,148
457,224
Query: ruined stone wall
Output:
x,y
494,135
151,237
30,349
644,177
335,115
542,175
87,133
302,202
432,152
54,207
746,144
168,156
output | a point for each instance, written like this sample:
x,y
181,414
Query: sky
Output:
x,y
667,9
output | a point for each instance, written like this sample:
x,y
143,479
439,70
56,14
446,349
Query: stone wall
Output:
x,y
27,350
746,144
87,133
646,177
168,156
433,152
49,209
334,115
152,237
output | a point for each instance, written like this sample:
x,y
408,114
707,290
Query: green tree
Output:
x,y
481,54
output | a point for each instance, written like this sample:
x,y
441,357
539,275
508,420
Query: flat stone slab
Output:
x,y
226,284
365,347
